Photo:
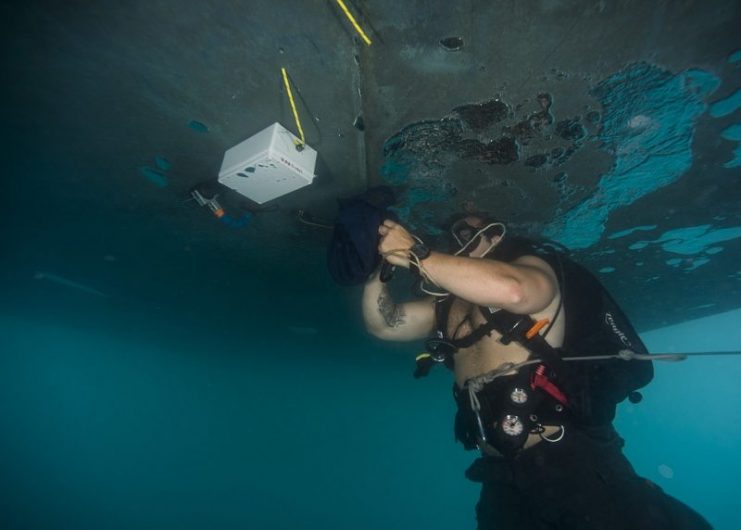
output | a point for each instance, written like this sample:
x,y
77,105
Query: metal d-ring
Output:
x,y
555,440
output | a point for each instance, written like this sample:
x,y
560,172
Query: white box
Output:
x,y
268,165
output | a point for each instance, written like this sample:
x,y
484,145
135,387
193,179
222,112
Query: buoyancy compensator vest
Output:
x,y
587,392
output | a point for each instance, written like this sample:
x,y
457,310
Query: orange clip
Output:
x,y
540,324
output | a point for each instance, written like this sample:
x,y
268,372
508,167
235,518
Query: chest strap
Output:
x,y
518,328
511,327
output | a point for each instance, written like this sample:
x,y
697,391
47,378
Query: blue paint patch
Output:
x,y
238,222
732,132
395,171
698,262
154,176
696,239
198,126
675,262
603,252
726,106
648,124
735,57
736,160
692,241
162,163
646,228
607,270
690,264
683,240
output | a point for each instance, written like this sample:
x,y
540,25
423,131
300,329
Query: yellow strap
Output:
x,y
293,108
354,22
423,355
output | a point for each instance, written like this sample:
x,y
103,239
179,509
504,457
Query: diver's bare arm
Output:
x,y
524,286
390,321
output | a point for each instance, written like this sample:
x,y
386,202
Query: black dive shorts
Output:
x,y
583,482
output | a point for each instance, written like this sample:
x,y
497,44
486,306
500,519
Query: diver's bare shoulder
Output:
x,y
388,320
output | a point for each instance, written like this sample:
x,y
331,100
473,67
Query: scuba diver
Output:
x,y
541,355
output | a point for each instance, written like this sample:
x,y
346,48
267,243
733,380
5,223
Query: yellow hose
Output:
x,y
293,108
354,23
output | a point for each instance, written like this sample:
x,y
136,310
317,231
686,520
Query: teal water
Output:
x,y
138,419
106,430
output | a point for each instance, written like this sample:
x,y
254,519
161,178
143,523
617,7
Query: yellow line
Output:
x,y
293,106
354,22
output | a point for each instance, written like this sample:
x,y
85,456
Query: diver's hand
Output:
x,y
395,243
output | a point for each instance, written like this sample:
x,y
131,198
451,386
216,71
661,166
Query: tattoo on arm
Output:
x,y
391,313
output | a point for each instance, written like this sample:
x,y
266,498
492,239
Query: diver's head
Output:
x,y
476,234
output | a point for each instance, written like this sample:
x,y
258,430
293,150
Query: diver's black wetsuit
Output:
x,y
583,482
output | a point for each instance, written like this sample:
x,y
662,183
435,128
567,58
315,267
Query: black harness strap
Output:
x,y
514,327
510,326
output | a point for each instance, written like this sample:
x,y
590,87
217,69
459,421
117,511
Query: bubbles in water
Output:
x,y
665,471
639,122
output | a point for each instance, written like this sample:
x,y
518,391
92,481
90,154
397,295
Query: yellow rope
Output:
x,y
293,108
354,22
